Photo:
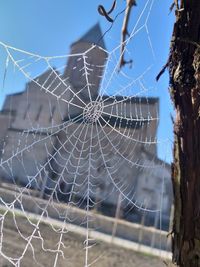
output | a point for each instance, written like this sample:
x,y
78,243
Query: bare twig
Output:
x,y
162,70
105,13
124,33
177,6
171,7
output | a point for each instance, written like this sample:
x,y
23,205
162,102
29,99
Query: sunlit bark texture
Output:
x,y
184,69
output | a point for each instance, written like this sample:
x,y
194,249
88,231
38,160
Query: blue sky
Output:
x,y
48,27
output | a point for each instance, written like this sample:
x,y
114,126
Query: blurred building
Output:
x,y
60,135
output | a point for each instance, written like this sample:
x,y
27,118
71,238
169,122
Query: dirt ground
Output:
x,y
72,245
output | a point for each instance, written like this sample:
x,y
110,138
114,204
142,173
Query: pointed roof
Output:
x,y
94,36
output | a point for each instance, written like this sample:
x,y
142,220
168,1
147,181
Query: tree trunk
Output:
x,y
184,70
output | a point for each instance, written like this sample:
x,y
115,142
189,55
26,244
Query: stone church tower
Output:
x,y
86,69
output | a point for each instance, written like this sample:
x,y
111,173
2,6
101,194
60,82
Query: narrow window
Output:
x,y
39,112
52,113
26,110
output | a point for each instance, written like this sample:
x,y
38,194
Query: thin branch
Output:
x,y
124,33
105,13
162,70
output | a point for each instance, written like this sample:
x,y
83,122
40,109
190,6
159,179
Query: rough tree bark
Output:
x,y
184,70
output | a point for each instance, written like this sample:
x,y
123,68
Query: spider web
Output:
x,y
72,148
